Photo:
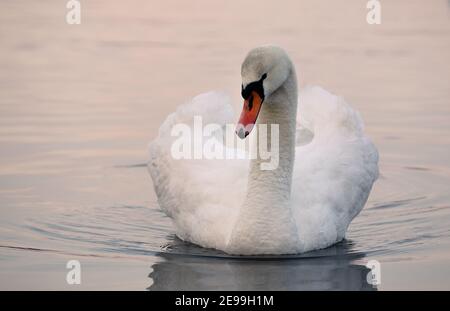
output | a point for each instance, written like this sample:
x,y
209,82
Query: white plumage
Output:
x,y
334,168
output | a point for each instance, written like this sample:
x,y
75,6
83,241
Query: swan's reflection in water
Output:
x,y
330,269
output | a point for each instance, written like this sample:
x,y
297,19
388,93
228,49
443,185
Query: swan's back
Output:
x,y
334,171
201,196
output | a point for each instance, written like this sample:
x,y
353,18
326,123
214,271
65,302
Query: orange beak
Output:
x,y
249,114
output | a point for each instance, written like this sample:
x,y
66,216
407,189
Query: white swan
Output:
x,y
306,203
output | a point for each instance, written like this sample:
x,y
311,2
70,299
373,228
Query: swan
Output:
x,y
326,169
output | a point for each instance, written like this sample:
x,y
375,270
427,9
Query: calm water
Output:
x,y
79,104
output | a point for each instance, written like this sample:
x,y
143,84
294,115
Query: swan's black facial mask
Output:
x,y
256,86
253,95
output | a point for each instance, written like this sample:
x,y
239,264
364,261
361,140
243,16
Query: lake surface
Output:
x,y
79,104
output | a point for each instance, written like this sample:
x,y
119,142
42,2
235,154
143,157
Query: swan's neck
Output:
x,y
265,223
273,186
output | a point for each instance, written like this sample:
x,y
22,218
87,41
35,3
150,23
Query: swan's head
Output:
x,y
263,71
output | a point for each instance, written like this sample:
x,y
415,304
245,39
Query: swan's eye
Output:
x,y
256,86
250,102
